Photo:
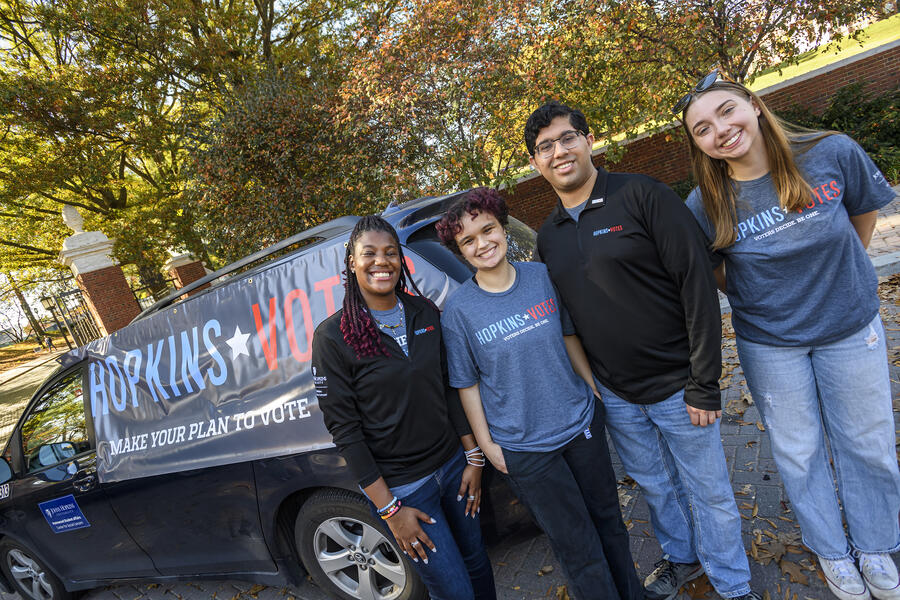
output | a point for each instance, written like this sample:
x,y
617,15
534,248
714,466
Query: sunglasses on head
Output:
x,y
704,84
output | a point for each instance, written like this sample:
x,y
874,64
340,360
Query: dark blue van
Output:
x,y
189,444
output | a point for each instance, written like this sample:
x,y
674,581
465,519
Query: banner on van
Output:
x,y
223,377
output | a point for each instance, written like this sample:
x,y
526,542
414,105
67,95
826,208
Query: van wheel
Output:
x,y
348,554
29,576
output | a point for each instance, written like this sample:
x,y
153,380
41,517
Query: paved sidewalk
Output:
x,y
525,567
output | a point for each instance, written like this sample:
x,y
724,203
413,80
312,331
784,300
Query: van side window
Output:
x,y
55,429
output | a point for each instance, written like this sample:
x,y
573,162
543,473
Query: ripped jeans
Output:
x,y
840,390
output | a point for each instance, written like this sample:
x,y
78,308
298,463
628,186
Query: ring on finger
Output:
x,y
471,497
414,543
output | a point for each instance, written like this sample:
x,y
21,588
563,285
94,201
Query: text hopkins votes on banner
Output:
x,y
225,376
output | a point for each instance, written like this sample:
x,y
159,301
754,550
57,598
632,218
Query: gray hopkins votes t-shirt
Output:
x,y
511,344
803,278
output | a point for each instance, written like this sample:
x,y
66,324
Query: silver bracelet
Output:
x,y
475,457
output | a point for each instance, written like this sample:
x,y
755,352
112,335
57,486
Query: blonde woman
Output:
x,y
789,215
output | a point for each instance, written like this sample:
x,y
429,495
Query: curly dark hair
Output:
x,y
475,201
357,324
544,115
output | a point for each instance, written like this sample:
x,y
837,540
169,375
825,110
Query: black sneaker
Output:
x,y
750,596
668,577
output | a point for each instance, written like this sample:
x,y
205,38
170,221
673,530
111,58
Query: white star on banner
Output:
x,y
238,343
526,317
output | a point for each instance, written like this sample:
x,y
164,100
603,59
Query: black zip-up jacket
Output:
x,y
635,275
394,417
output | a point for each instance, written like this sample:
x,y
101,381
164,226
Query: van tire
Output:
x,y
348,553
29,576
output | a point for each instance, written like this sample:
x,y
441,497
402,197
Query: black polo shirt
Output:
x,y
635,276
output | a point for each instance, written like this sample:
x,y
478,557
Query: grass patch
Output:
x,y
17,354
876,34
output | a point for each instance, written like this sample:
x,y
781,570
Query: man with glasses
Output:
x,y
631,266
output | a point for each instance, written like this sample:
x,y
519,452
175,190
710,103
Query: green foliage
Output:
x,y
873,121
275,163
221,127
684,187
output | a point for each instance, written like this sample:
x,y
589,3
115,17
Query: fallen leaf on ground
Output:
x,y
794,571
699,588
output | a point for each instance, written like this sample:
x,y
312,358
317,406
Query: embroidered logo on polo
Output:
x,y
423,330
518,323
612,229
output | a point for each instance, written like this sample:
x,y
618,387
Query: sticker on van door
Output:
x,y
4,491
63,514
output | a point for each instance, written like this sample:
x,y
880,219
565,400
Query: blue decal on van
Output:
x,y
63,514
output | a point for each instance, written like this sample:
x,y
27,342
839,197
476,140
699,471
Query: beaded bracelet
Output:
x,y
391,511
388,511
475,457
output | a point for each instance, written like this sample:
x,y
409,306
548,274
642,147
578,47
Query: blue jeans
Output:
x,y
682,472
572,494
840,390
460,569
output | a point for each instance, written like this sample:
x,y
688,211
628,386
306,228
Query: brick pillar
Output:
x,y
186,269
106,292
109,297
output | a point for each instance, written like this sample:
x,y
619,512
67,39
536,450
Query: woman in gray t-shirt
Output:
x,y
527,390
789,216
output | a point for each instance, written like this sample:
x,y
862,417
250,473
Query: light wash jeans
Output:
x,y
682,472
841,390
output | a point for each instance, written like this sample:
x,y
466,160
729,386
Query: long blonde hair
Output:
x,y
782,141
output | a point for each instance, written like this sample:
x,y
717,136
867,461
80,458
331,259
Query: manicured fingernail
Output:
x,y
432,521
458,498
434,549
425,560
415,559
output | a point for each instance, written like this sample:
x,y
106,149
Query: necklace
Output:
x,y
398,311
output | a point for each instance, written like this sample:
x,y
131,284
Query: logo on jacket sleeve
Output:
x,y
321,384
423,330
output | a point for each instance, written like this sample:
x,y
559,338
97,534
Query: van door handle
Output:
x,y
84,481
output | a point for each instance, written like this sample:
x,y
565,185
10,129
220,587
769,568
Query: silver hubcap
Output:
x,y
359,560
29,575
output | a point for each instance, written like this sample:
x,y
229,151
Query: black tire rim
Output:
x,y
359,560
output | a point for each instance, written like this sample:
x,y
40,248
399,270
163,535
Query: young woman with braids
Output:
x,y
789,215
382,387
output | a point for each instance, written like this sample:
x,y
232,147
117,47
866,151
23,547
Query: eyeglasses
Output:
x,y
704,84
569,139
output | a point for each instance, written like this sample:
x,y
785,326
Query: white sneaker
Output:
x,y
880,574
843,579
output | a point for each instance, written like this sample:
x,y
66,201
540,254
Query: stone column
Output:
x,y
185,268
108,296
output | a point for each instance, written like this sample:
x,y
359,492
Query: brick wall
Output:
x,y
665,155
189,273
109,298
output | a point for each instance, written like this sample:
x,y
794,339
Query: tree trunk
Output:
x,y
35,324
153,279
